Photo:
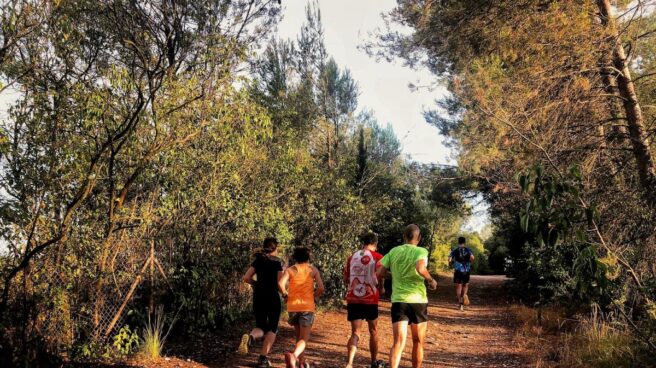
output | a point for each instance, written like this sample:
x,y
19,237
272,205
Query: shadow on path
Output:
x,y
480,336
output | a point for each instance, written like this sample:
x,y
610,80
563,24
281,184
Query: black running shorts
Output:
x,y
267,310
414,313
461,277
367,312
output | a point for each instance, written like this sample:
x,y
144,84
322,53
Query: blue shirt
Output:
x,y
461,259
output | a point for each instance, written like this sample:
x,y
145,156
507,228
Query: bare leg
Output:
x,y
400,331
373,340
459,293
269,339
465,288
302,338
352,345
257,333
297,334
418,338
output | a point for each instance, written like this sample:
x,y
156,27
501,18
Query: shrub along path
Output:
x,y
481,336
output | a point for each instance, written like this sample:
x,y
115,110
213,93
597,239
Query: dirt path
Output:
x,y
481,336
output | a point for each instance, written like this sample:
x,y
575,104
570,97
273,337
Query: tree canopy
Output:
x,y
151,147
551,107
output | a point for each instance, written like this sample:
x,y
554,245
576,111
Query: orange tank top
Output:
x,y
301,290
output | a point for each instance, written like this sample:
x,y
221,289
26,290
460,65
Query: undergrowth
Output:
x,y
590,341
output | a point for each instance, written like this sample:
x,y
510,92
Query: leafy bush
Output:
x,y
122,344
125,341
559,261
499,254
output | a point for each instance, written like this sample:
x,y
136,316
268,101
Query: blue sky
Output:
x,y
383,86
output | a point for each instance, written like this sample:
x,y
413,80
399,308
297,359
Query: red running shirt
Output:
x,y
360,271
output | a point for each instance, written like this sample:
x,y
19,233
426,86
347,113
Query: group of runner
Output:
x,y
364,273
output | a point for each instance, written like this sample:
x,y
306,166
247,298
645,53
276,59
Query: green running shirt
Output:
x,y
407,285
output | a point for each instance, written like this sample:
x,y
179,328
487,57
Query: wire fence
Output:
x,y
56,303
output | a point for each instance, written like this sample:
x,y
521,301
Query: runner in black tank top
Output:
x,y
263,275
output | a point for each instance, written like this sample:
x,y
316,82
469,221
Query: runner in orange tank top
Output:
x,y
301,289
300,302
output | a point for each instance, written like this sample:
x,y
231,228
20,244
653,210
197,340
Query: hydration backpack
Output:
x,y
463,255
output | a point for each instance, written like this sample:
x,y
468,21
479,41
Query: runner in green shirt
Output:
x,y
407,265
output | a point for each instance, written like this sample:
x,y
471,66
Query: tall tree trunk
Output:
x,y
618,134
361,161
609,80
329,158
337,139
632,109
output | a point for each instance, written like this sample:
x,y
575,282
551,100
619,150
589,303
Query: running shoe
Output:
x,y
246,342
263,362
465,300
462,307
378,364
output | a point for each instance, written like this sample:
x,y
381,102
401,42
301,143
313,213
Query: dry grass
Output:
x,y
540,337
597,343
552,320
154,337
590,342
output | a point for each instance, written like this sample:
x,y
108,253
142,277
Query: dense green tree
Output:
x,y
104,92
553,84
148,152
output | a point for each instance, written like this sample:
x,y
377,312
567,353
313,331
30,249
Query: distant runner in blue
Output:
x,y
462,258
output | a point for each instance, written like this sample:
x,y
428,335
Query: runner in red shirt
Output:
x,y
362,297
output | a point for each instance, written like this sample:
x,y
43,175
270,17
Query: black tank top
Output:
x,y
266,269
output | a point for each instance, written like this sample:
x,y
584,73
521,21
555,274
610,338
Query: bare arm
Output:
x,y
317,279
382,272
282,283
423,271
248,276
380,279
